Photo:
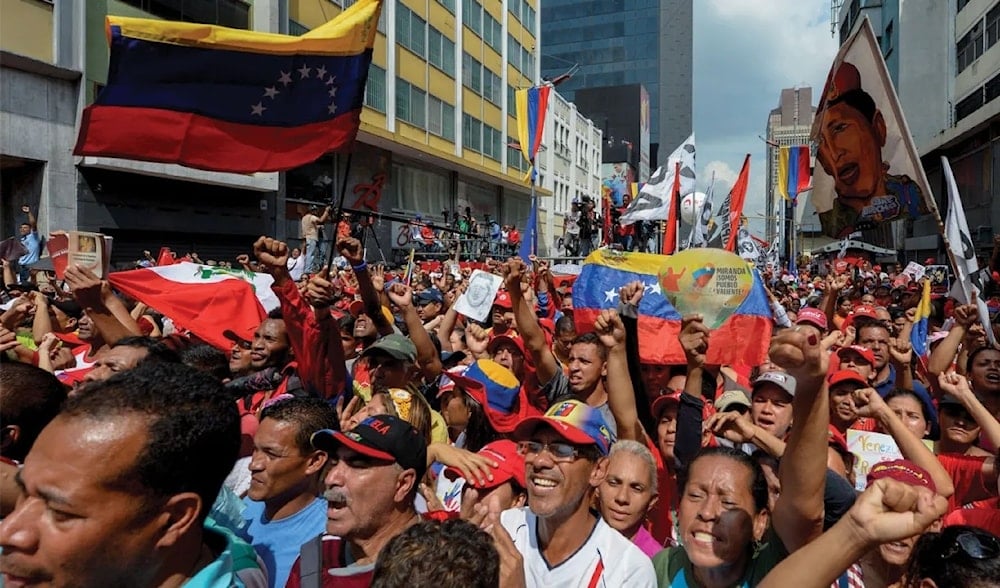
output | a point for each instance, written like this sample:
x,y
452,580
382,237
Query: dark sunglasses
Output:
x,y
974,545
559,451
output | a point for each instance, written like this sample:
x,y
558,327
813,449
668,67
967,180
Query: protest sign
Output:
x,y
477,301
711,282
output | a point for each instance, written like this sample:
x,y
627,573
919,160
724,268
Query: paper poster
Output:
x,y
915,271
712,282
872,448
88,250
868,171
938,275
477,301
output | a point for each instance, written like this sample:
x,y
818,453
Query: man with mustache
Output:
x,y
375,469
851,137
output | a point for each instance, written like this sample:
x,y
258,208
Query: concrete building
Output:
x,y
789,124
438,116
944,59
623,43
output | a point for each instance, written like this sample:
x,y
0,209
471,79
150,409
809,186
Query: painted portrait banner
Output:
x,y
868,171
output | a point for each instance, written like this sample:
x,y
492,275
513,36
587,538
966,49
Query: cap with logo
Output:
x,y
382,437
841,376
429,295
901,470
394,345
663,401
863,352
731,399
779,379
510,465
812,316
503,300
574,421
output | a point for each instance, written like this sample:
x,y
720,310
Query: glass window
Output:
x,y
472,16
419,190
993,26
969,104
491,142
447,121
472,73
375,88
440,51
410,30
449,4
472,133
969,47
411,103
440,118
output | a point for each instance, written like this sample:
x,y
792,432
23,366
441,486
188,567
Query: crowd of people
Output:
x,y
368,434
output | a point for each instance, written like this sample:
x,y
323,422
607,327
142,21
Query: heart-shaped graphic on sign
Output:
x,y
710,282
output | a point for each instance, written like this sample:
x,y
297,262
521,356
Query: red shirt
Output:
x,y
966,473
660,522
335,571
983,518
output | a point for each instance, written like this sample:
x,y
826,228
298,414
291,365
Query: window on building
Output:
x,y
375,88
419,190
472,133
969,47
514,157
440,51
492,32
511,101
440,118
411,30
992,88
492,87
472,15
448,4
969,104
993,26
472,73
513,52
228,13
411,104
491,142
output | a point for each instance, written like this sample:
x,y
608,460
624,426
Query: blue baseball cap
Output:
x,y
575,421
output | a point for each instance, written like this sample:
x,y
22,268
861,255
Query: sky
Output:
x,y
745,52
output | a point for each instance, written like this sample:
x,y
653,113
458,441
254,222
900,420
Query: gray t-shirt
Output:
x,y
557,390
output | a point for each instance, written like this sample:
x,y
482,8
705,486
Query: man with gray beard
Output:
x,y
374,471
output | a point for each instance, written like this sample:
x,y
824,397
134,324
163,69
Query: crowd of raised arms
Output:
x,y
368,434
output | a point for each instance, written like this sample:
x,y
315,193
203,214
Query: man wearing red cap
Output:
x,y
506,488
843,412
852,135
561,540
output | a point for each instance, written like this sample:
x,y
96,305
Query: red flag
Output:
x,y
166,257
670,235
736,198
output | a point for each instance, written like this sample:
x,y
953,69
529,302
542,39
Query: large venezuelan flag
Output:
x,y
793,171
743,339
230,100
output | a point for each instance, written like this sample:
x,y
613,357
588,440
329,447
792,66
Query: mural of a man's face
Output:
x,y
850,151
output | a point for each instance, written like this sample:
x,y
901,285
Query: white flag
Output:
x,y
654,199
702,218
967,274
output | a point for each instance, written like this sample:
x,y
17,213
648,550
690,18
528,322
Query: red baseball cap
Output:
x,y
841,376
664,400
865,310
901,470
866,354
510,337
812,316
510,465
503,300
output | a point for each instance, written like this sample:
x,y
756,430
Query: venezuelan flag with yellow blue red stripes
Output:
x,y
743,339
230,100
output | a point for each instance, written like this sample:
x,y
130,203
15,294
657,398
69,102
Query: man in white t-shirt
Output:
x,y
561,540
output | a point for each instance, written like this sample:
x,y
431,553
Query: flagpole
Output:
x,y
338,210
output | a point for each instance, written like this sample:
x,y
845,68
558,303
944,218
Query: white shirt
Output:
x,y
606,560
296,267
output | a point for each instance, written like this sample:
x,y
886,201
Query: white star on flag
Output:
x,y
271,92
333,92
285,78
304,71
332,108
321,72
610,295
257,109
330,80
653,288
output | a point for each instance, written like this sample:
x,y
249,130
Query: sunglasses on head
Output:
x,y
973,544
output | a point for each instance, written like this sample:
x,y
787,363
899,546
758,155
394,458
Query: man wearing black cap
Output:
x,y
374,473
